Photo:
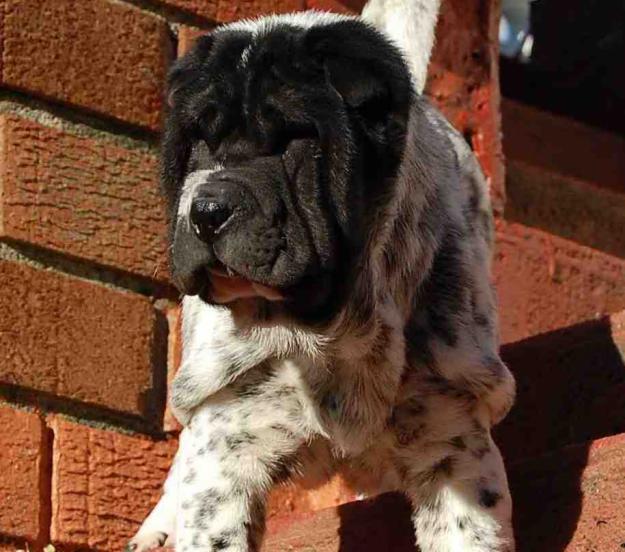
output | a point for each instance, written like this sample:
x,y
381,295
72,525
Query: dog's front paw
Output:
x,y
143,542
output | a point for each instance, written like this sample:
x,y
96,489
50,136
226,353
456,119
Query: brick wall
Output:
x,y
88,331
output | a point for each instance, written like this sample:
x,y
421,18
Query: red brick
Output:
x,y
86,196
174,356
565,206
565,177
77,339
545,282
296,498
464,81
105,56
15,547
338,6
572,500
563,146
23,476
570,388
104,483
228,10
372,525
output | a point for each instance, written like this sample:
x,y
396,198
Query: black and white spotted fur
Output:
x,y
392,364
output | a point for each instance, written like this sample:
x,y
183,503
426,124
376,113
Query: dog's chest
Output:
x,y
355,397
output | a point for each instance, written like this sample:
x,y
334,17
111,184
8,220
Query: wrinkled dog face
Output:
x,y
281,144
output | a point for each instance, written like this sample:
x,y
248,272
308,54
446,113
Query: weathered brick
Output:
x,y
104,483
564,177
105,56
173,314
89,197
563,146
227,10
371,525
6,547
77,339
299,498
570,388
572,500
463,81
338,6
545,282
24,490
14,546
565,206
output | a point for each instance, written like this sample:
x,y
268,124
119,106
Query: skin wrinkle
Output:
x,y
296,205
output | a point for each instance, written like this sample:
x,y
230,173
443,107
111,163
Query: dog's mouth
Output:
x,y
225,286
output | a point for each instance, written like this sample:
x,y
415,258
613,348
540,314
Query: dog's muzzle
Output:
x,y
222,235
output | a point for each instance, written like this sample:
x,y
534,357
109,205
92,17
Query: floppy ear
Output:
x,y
186,69
369,74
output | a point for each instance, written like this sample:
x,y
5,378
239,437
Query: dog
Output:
x,y
331,234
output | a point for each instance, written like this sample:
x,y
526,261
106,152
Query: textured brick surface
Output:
x,y
88,197
545,282
104,483
229,10
566,206
379,524
77,339
563,146
102,55
464,80
338,6
23,475
14,546
296,498
570,388
565,177
572,501
173,314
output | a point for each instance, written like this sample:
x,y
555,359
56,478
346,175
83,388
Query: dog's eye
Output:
x,y
208,124
210,115
286,137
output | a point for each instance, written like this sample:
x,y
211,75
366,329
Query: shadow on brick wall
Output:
x,y
571,386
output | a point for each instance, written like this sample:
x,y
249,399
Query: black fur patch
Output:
x,y
446,291
489,498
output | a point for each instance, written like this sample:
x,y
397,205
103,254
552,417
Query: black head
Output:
x,y
282,142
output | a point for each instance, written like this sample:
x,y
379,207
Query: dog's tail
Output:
x,y
411,25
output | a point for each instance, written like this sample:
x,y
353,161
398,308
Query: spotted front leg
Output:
x,y
240,443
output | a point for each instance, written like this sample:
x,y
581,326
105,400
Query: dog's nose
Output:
x,y
208,216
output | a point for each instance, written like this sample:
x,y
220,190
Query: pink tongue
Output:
x,y
229,288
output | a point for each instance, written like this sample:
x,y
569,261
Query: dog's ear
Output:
x,y
363,66
373,82
187,68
